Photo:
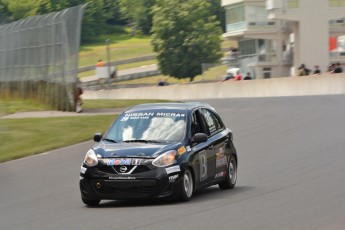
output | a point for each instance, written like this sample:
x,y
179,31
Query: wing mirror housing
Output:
x,y
97,137
199,138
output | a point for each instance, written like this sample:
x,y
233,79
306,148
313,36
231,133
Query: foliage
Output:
x,y
98,17
20,9
217,9
138,13
4,13
101,15
95,17
183,40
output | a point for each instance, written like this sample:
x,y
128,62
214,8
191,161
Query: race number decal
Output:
x,y
203,165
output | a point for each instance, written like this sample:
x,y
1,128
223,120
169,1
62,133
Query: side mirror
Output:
x,y
199,138
97,137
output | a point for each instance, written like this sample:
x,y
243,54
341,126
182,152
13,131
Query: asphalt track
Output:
x,y
291,176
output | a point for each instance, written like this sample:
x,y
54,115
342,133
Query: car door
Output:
x,y
218,140
203,153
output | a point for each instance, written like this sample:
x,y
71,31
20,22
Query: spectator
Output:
x,y
162,82
247,77
228,77
238,76
77,98
331,68
303,71
100,63
338,68
113,74
317,70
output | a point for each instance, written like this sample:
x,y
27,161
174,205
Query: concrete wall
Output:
x,y
289,86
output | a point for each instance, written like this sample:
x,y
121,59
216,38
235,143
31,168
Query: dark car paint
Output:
x,y
107,149
156,175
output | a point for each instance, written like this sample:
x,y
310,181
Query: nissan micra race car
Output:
x,y
159,150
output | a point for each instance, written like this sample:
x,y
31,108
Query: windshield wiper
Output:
x,y
142,141
110,140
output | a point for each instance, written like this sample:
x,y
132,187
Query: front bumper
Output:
x,y
155,183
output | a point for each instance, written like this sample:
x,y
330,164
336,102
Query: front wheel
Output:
x,y
91,203
231,177
185,186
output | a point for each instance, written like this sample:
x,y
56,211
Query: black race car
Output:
x,y
159,150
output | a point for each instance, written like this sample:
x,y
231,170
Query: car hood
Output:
x,y
132,149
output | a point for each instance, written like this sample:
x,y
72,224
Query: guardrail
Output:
x,y
119,62
121,78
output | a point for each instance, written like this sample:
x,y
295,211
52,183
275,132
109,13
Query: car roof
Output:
x,y
169,106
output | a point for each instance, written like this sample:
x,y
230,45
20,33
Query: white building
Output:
x,y
276,36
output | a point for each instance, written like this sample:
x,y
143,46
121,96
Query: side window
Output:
x,y
197,124
213,123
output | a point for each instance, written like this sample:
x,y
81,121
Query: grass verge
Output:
x,y
15,105
10,106
105,103
120,49
29,136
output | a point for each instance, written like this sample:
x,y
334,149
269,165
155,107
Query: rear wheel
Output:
x,y
231,177
90,202
185,186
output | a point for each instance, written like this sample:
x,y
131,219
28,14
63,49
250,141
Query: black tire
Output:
x,y
185,186
231,175
91,203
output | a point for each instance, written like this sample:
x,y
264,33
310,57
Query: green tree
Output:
x,y
95,18
185,35
5,14
219,11
138,13
20,9
112,7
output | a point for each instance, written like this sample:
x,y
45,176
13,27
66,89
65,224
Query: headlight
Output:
x,y
166,159
91,158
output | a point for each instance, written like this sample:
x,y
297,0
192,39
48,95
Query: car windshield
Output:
x,y
148,126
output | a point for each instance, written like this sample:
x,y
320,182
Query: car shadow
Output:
x,y
213,192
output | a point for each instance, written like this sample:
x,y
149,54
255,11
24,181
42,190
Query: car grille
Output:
x,y
126,189
116,169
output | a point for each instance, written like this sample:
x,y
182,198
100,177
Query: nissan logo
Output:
x,y
123,169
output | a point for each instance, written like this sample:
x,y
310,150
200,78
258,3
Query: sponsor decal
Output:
x,y
203,165
124,118
221,174
221,161
188,148
139,114
136,161
173,169
122,178
147,115
134,116
83,170
122,161
170,114
119,161
173,178
181,150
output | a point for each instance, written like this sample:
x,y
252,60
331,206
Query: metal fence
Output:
x,y
39,57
